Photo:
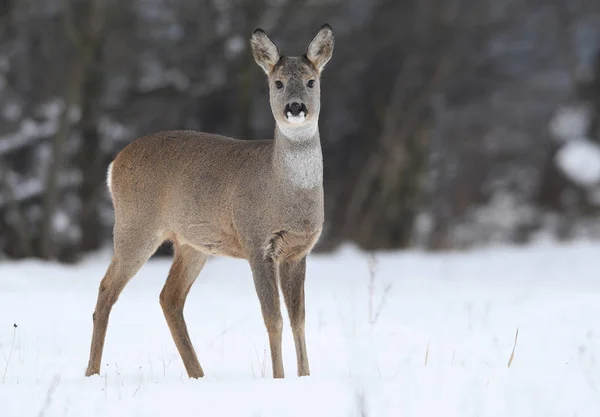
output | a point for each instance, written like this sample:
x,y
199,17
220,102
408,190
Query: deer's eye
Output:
x,y
311,83
279,85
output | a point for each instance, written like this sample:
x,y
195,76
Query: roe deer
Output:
x,y
212,195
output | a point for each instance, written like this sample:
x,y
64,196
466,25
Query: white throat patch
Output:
x,y
298,130
301,159
303,167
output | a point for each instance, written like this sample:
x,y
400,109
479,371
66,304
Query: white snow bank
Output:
x,y
439,346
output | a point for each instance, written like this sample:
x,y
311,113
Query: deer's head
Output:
x,y
294,86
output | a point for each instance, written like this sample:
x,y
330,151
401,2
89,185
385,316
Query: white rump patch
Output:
x,y
109,177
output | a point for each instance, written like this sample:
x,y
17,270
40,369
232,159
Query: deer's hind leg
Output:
x,y
133,247
187,264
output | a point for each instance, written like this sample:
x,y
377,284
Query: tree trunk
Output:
x,y
48,246
91,161
86,41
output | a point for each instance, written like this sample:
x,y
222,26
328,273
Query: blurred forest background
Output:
x,y
445,123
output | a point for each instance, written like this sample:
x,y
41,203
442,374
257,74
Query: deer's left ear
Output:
x,y
320,49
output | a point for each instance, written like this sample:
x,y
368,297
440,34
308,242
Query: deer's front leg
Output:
x,y
264,272
291,276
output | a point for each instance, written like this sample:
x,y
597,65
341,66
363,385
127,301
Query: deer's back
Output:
x,y
184,182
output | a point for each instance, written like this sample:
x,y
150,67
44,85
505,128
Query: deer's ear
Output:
x,y
264,51
320,49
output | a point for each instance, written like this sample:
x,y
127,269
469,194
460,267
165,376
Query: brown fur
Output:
x,y
213,195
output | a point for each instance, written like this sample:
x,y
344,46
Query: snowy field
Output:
x,y
415,335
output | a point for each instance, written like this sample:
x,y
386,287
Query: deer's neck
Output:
x,y
297,159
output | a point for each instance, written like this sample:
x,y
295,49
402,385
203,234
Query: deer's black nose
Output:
x,y
295,108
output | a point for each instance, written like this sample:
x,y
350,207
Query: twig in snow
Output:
x,y
49,395
12,348
166,365
262,364
361,404
512,355
226,330
374,312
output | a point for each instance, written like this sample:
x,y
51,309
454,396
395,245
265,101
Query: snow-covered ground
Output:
x,y
429,335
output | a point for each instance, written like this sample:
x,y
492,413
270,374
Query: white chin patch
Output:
x,y
296,119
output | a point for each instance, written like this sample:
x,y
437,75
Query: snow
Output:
x,y
593,196
410,334
61,221
234,46
498,220
177,79
32,187
4,64
155,76
570,122
579,160
112,130
29,131
11,112
53,109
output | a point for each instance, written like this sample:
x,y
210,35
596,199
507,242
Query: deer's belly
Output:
x,y
211,242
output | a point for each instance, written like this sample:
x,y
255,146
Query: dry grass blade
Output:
x,y
49,395
375,311
12,348
361,404
372,263
512,355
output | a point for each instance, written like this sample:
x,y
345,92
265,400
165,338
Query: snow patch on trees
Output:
x,y
29,131
570,122
234,46
11,112
112,130
579,160
155,76
498,221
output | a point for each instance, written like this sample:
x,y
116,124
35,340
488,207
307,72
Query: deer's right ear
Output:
x,y
264,51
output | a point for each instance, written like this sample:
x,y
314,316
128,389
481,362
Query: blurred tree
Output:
x,y
435,113
82,92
